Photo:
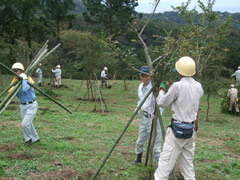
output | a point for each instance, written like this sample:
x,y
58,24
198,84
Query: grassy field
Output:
x,y
73,146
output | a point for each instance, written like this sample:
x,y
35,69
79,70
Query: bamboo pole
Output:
x,y
79,89
5,105
100,96
1,81
39,52
9,87
121,135
82,99
32,85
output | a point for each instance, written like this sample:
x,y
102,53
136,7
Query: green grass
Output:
x,y
73,146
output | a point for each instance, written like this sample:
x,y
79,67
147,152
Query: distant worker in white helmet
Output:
x,y
233,95
184,98
237,74
58,72
28,107
39,72
104,77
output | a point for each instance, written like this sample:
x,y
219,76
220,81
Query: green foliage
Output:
x,y
85,51
202,40
111,14
58,11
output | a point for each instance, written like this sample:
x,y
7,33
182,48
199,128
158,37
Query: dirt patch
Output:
x,y
70,138
11,123
90,99
20,156
99,111
7,147
65,174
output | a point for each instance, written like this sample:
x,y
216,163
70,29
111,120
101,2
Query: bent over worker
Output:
x,y
233,95
28,105
148,114
58,72
184,97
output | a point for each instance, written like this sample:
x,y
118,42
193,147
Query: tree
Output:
x,y
86,51
58,11
202,39
111,14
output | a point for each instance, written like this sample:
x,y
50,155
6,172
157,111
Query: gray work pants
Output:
x,y
144,135
104,82
39,78
28,112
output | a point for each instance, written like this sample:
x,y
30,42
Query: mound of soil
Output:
x,y
20,156
8,147
90,99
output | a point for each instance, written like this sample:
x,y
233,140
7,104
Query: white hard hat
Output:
x,y
238,67
18,66
58,66
186,66
232,85
40,64
105,68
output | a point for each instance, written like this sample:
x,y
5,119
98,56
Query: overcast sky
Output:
x,y
165,5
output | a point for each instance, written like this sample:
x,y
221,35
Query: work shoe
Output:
x,y
29,142
139,159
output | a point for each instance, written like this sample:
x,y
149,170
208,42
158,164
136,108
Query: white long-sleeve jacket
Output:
x,y
149,104
237,74
184,97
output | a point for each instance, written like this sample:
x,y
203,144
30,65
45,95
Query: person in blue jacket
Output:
x,y
28,107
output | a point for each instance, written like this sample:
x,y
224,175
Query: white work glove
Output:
x,y
24,76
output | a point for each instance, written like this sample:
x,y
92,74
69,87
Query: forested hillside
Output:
x,y
31,25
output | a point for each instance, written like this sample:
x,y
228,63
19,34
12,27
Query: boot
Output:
x,y
139,159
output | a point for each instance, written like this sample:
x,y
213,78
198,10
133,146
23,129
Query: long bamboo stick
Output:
x,y
11,98
82,98
9,87
6,99
100,95
39,52
121,135
49,97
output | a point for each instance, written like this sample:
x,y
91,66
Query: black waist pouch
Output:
x,y
182,130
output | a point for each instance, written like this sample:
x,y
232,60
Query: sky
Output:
x,y
146,6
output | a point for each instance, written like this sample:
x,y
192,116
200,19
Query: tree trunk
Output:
x,y
125,84
95,94
88,89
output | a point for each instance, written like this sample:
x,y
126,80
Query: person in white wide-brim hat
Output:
x,y
233,96
39,72
184,98
104,77
58,72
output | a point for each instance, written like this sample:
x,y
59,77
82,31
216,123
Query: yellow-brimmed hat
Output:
x,y
18,66
186,66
